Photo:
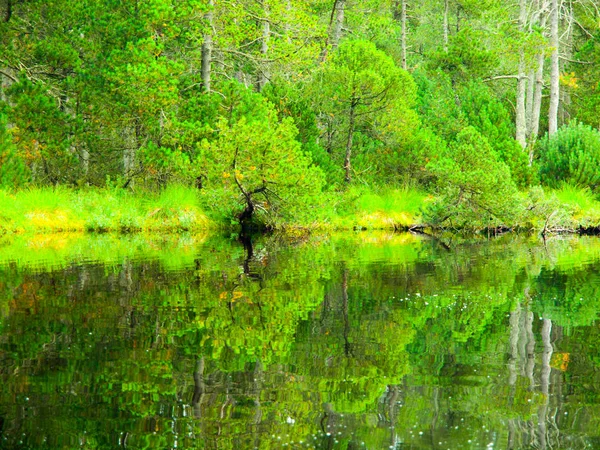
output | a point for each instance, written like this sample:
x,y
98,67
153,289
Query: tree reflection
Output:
x,y
329,342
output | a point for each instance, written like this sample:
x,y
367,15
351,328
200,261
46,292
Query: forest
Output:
x,y
151,114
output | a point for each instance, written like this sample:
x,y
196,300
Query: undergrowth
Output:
x,y
183,209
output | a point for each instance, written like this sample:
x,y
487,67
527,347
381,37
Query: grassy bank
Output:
x,y
178,209
50,210
366,209
182,209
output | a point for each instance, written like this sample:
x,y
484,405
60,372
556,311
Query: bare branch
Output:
x,y
8,76
501,77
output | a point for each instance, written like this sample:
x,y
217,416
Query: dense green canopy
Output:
x,y
141,94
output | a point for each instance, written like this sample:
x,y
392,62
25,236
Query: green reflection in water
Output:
x,y
349,342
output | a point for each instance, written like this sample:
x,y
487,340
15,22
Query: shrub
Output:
x,y
572,155
490,117
474,187
259,167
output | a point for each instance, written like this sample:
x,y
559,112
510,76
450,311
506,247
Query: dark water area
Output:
x,y
367,341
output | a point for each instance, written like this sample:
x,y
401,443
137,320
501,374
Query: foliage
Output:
x,y
572,155
467,57
543,211
257,163
364,208
584,82
474,186
438,104
360,89
134,93
406,163
490,117
581,203
13,171
323,335
290,101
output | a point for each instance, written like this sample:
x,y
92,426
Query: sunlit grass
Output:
x,y
582,203
179,209
363,208
51,210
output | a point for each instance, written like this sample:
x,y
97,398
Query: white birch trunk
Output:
x,y
129,152
334,32
567,51
520,120
538,89
521,124
7,78
288,19
554,71
85,160
4,85
529,102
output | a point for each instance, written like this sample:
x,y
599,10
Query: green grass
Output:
x,y
581,203
384,208
180,209
101,210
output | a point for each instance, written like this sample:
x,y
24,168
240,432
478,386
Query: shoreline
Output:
x,y
210,227
180,209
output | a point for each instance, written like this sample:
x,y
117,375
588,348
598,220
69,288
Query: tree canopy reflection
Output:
x,y
359,341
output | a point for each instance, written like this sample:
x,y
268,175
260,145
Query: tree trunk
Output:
x,y
7,78
336,23
530,348
5,83
258,387
458,18
567,51
521,125
340,10
554,71
207,48
537,98
446,25
288,19
515,317
85,160
339,23
347,163
529,102
347,344
537,94
403,35
130,141
263,72
7,11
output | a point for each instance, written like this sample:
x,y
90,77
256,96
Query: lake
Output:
x,y
356,341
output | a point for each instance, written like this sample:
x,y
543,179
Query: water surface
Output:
x,y
341,342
